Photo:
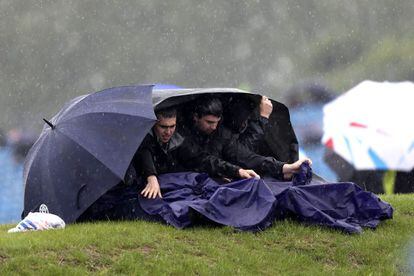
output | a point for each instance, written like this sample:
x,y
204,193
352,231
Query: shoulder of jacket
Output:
x,y
148,141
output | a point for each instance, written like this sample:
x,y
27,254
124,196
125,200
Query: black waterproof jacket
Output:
x,y
154,157
179,154
253,136
223,150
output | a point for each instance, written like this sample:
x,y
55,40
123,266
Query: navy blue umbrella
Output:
x,y
86,149
166,86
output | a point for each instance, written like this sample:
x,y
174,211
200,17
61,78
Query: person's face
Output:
x,y
207,124
165,128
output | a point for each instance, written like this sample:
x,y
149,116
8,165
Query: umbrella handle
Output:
x,y
78,195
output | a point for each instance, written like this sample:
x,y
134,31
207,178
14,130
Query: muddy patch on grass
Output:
x,y
3,258
145,249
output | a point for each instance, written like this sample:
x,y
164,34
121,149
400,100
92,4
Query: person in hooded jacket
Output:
x,y
249,121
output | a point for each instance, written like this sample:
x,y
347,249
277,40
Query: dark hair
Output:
x,y
166,113
208,106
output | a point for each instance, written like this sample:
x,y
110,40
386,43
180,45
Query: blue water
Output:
x,y
11,187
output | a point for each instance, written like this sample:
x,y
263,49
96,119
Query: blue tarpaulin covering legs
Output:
x,y
244,204
254,204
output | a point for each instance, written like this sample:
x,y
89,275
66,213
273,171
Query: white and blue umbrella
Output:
x,y
371,126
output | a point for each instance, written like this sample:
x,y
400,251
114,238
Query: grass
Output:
x,y
143,248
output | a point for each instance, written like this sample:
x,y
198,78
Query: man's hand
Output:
x,y
289,169
248,174
152,190
266,107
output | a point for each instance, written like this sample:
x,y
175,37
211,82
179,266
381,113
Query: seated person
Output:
x,y
250,123
210,136
164,150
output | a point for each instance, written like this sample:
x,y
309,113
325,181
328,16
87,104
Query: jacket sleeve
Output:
x,y
146,162
254,134
239,154
143,160
218,167
194,158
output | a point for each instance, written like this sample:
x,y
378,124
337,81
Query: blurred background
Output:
x,y
302,53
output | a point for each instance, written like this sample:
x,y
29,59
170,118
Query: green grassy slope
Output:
x,y
150,248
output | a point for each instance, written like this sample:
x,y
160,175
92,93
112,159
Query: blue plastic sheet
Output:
x,y
254,204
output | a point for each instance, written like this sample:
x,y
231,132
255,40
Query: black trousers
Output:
x,y
119,203
404,182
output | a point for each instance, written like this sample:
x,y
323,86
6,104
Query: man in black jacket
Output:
x,y
249,121
212,137
164,150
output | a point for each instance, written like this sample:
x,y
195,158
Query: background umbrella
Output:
x,y
85,149
368,126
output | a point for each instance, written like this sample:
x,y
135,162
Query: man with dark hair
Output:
x,y
164,150
207,115
210,136
157,153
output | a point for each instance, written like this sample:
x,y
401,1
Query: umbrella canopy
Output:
x,y
368,126
279,135
85,149
165,86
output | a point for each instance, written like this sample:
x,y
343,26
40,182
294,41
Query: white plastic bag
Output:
x,y
39,221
